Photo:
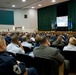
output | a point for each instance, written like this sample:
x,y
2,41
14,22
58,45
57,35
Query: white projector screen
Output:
x,y
62,21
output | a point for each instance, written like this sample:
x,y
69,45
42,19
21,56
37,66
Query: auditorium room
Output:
x,y
37,37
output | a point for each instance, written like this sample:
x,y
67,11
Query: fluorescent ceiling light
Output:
x,y
13,6
32,7
39,5
53,0
23,0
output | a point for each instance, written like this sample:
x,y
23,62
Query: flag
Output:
x,y
70,24
53,25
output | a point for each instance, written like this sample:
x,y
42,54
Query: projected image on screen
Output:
x,y
62,21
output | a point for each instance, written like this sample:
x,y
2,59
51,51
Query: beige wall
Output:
x,y
28,24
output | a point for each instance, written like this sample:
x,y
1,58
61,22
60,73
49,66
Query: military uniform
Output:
x,y
9,66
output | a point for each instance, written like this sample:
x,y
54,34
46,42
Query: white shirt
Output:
x,y
26,44
31,54
32,38
14,48
69,48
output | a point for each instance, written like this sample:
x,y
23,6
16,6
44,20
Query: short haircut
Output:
x,y
14,38
24,38
42,39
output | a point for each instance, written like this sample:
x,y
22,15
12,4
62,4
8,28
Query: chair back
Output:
x,y
27,49
11,54
71,56
46,66
28,60
58,47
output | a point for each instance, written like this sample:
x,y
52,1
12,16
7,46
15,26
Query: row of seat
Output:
x,y
42,65
71,56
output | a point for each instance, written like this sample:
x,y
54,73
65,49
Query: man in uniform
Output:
x,y
9,65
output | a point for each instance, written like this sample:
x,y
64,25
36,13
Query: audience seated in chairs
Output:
x,y
15,46
69,52
9,65
71,45
25,42
44,51
59,41
37,39
7,38
42,65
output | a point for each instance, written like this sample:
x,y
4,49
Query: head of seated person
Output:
x,y
37,39
72,41
15,45
44,41
14,39
24,38
59,41
59,38
26,42
71,45
2,44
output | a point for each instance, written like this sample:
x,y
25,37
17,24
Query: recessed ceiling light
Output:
x,y
39,5
53,0
32,7
23,0
13,6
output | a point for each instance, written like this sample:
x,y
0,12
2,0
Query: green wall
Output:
x,y
48,14
45,17
6,17
72,13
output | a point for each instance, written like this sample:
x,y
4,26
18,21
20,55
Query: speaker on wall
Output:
x,y
25,16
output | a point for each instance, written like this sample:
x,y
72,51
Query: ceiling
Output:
x,y
28,4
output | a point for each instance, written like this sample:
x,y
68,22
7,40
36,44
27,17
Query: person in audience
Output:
x,y
20,37
7,38
44,51
32,37
59,41
25,42
71,45
15,46
9,65
53,36
37,39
